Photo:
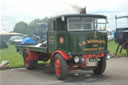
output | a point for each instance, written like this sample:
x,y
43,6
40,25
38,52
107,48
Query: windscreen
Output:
x,y
86,23
100,24
78,23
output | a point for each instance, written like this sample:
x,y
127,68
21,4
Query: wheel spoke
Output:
x,y
57,67
27,60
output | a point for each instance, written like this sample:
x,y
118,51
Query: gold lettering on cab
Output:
x,y
101,48
52,39
96,41
90,49
93,49
84,43
95,45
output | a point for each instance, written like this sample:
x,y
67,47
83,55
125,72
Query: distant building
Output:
x,y
6,35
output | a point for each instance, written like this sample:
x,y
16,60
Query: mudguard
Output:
x,y
62,53
32,55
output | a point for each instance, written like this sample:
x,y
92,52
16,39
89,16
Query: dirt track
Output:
x,y
115,74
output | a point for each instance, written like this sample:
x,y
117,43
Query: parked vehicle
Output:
x,y
75,41
16,39
110,35
121,35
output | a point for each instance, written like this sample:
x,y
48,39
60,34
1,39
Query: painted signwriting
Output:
x,y
51,39
84,43
93,43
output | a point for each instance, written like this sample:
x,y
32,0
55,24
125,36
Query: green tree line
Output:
x,y
24,28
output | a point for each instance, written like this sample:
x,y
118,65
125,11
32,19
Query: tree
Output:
x,y
44,20
33,24
25,28
21,27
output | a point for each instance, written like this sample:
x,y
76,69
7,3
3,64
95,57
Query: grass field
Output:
x,y
16,60
112,46
10,54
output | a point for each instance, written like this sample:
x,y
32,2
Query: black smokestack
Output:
x,y
83,10
79,9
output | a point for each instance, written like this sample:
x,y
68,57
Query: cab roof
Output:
x,y
80,15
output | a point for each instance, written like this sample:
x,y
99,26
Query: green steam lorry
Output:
x,y
74,41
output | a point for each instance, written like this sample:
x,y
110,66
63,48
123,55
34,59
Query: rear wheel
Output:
x,y
101,66
60,67
29,64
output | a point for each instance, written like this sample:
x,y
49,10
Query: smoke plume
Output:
x,y
78,8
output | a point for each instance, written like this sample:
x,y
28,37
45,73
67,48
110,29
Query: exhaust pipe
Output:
x,y
83,10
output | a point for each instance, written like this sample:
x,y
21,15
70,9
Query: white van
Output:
x,y
110,35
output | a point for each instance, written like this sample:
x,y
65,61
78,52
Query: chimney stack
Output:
x,y
83,10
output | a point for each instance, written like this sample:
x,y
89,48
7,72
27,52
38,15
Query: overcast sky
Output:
x,y
13,11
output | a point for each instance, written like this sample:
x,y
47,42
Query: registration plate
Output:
x,y
91,62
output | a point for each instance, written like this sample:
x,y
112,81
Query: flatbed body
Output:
x,y
21,48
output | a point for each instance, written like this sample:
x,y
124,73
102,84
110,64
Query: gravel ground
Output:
x,y
116,74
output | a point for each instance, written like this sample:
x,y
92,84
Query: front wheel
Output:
x,y
60,67
101,66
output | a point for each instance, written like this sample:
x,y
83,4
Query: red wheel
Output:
x,y
29,64
26,60
57,67
60,67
